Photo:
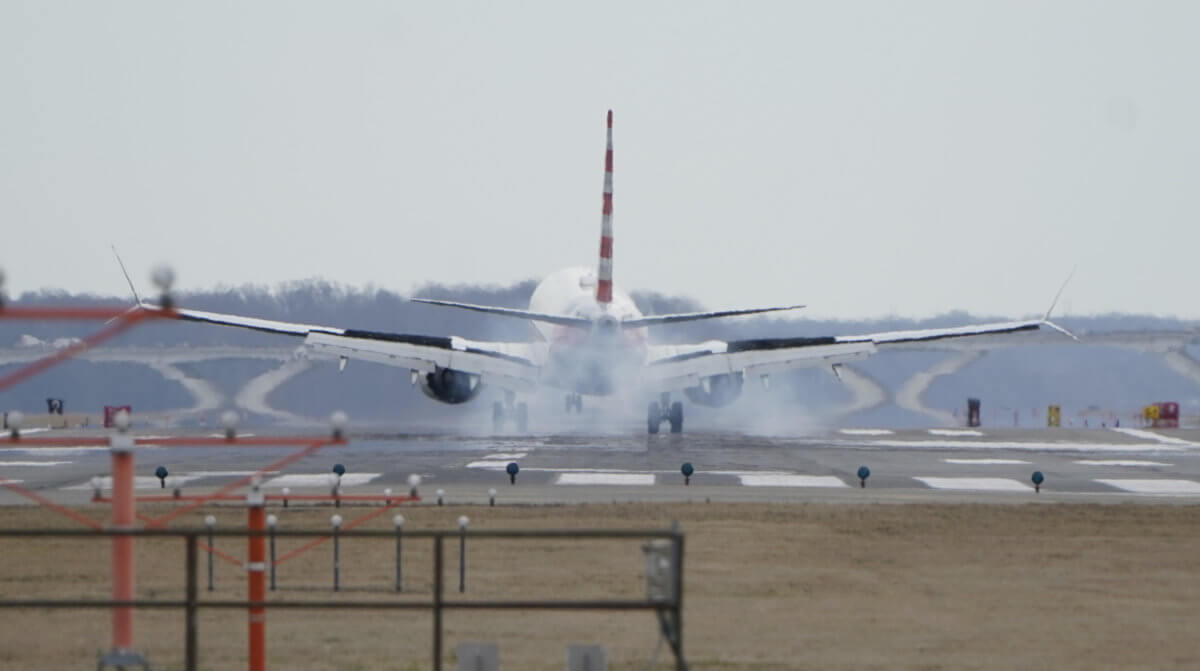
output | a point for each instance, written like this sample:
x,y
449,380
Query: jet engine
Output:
x,y
716,391
450,386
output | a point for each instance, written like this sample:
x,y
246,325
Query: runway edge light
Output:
x,y
1038,479
512,469
687,471
863,474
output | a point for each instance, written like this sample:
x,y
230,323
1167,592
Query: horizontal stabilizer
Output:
x,y
658,320
510,312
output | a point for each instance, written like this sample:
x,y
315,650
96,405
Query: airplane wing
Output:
x,y
509,365
671,367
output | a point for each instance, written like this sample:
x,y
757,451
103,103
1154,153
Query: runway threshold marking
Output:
x,y
1150,435
1156,487
986,462
790,480
1120,462
35,463
319,480
605,479
955,432
975,484
139,482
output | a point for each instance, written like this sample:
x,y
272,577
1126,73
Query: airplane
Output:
x,y
594,342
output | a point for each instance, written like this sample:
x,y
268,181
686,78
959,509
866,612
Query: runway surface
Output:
x,y
934,465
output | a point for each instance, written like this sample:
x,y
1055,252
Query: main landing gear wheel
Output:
x,y
574,402
518,412
657,413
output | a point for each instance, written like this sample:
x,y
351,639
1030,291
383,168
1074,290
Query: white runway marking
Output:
x,y
57,451
10,482
976,484
605,479
1119,462
1040,446
505,455
986,462
1150,435
223,474
319,480
34,463
955,432
1159,487
866,432
139,482
790,480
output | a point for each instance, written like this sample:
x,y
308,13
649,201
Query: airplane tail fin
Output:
x,y
604,272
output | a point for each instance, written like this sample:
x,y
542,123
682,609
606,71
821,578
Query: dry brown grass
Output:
x,y
767,587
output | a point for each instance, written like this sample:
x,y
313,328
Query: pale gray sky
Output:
x,y
863,157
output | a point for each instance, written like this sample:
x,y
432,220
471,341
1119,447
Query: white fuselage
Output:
x,y
595,361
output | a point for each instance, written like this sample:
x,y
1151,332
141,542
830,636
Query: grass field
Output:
x,y
766,587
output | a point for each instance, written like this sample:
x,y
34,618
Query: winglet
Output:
x,y
1046,317
136,299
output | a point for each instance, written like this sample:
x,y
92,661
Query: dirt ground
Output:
x,y
766,587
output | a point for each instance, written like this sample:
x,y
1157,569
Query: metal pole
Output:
x,y
462,560
255,573
123,517
210,555
437,603
271,522
336,585
677,588
190,643
398,520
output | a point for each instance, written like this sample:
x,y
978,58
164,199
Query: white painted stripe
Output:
x,y
491,465
34,463
319,480
986,462
10,482
605,479
1150,435
1041,446
139,482
975,484
1120,462
787,480
57,451
1157,487
866,432
955,432
223,474
505,455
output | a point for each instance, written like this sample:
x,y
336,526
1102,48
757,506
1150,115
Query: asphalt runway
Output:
x,y
933,465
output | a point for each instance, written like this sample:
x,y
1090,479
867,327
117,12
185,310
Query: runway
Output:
x,y
933,465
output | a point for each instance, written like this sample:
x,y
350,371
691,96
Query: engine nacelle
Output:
x,y
450,386
716,391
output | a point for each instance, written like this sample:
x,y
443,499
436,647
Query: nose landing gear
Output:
x,y
574,402
664,411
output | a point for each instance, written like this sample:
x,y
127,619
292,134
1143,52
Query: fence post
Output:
x,y
336,521
462,553
437,602
255,570
123,518
210,522
271,522
398,520
189,655
677,596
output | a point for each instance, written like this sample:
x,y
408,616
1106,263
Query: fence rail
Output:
x,y
669,609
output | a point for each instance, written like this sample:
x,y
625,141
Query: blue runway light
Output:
x,y
687,471
1038,479
863,474
512,469
161,474
339,469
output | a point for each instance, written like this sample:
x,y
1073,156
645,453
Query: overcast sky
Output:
x,y
865,158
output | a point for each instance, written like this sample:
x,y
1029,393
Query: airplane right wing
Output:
x,y
673,367
509,365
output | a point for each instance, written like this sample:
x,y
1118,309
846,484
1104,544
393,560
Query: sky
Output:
x,y
864,158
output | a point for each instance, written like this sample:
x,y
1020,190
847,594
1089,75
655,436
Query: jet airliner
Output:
x,y
594,342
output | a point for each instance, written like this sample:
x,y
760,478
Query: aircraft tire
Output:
x,y
676,417
653,417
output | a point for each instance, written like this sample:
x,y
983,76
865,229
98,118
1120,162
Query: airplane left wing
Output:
x,y
671,367
509,365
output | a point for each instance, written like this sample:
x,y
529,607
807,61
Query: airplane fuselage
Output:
x,y
595,361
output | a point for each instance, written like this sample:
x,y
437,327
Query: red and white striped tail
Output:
x,y
604,274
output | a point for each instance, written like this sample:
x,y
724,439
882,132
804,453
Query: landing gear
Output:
x,y
574,402
664,411
518,412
